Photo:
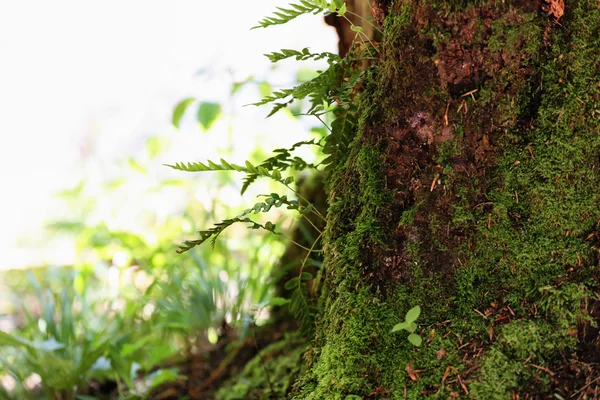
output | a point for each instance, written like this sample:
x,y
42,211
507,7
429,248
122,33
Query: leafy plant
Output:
x,y
410,326
207,112
79,336
67,345
333,91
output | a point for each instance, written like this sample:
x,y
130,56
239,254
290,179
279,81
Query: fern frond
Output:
x,y
318,90
200,167
302,55
280,162
285,15
279,106
272,200
343,129
300,304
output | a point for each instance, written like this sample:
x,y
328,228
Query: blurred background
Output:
x,y
95,97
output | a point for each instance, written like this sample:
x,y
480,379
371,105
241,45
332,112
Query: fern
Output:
x,y
342,132
302,55
272,200
318,90
333,90
281,161
335,85
285,15
279,106
225,166
200,167
300,305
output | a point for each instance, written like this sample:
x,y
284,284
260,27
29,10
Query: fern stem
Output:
x,y
323,122
365,20
363,34
311,223
306,258
314,211
309,250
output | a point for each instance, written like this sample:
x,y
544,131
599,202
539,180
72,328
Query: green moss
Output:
x,y
462,215
408,215
517,229
282,360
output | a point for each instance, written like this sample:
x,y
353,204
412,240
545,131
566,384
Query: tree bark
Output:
x,y
472,189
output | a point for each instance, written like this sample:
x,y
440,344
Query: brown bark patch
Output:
x,y
379,9
436,68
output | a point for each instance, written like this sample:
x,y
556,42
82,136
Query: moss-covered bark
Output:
x,y
473,190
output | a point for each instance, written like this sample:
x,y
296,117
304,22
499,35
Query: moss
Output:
x,y
499,256
282,360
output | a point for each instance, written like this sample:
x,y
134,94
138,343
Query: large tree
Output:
x,y
472,189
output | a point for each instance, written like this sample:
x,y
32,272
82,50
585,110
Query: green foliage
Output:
x,y
282,161
180,110
305,54
332,86
250,169
207,114
285,15
273,200
275,368
76,338
318,90
409,325
300,305
343,129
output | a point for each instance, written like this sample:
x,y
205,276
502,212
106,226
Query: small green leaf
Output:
x,y
400,326
180,110
154,145
136,166
207,114
265,89
292,283
412,326
356,28
13,341
163,376
306,276
251,167
413,314
342,11
130,348
158,353
278,301
415,339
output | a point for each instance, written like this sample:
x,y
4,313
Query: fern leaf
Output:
x,y
302,309
343,129
285,15
318,90
272,200
280,162
200,167
302,55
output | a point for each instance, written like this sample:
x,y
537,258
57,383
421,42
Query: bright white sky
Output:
x,y
81,73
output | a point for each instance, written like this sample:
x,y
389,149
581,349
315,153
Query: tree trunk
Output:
x,y
472,189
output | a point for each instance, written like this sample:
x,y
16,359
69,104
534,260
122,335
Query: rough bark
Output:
x,y
473,190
